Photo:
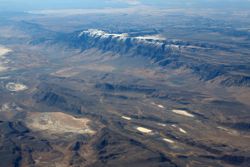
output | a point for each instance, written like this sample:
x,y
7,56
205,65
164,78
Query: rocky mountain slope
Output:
x,y
168,53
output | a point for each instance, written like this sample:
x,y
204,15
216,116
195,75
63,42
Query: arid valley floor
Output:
x,y
102,94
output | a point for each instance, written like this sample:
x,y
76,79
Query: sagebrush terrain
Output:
x,y
158,88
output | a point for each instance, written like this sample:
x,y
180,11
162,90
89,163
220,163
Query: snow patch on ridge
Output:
x,y
102,34
149,39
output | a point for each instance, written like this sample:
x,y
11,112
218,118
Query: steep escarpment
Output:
x,y
168,53
150,47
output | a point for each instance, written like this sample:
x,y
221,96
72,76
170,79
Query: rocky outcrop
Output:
x,y
163,52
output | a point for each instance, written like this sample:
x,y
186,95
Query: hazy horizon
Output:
x,y
24,5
